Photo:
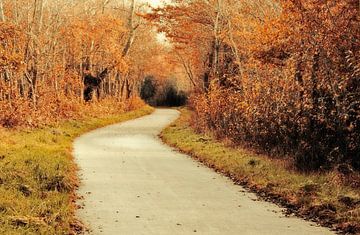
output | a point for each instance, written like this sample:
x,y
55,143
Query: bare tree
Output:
x,y
131,29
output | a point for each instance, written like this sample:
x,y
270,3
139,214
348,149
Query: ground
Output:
x,y
134,184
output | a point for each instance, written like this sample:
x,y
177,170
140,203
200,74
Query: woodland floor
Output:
x,y
134,184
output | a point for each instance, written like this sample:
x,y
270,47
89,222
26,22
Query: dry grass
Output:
x,y
322,197
38,175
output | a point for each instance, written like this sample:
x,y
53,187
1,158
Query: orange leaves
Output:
x,y
47,48
184,23
296,88
98,39
12,41
20,112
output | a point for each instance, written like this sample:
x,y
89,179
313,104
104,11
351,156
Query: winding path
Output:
x,y
134,184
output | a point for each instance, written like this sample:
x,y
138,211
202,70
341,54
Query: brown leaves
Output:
x,y
11,57
299,85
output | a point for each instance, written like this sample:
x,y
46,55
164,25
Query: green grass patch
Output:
x,y
321,197
38,175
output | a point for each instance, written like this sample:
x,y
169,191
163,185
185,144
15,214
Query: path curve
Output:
x,y
134,184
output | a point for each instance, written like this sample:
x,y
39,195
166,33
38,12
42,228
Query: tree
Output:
x,y
56,54
2,16
148,89
282,75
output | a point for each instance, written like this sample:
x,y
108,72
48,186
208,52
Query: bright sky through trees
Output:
x,y
154,3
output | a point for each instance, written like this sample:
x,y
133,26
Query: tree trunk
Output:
x,y
32,49
122,89
2,16
216,46
132,30
187,68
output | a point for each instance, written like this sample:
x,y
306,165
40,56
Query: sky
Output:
x,y
155,3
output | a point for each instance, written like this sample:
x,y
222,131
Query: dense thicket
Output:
x,y
55,55
170,95
162,93
282,76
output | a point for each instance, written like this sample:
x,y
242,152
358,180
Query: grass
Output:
x,y
320,197
38,175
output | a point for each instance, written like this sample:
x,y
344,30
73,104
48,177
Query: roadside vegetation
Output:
x,y
331,198
281,76
66,67
38,174
57,56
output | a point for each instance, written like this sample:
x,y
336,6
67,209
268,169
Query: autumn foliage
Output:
x,y
49,49
279,76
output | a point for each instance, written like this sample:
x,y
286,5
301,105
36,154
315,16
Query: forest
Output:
x,y
57,56
278,77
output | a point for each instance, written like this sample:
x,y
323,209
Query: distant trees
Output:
x,y
169,94
148,89
281,76
162,93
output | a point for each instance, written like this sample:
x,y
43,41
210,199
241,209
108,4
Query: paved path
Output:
x,y
134,184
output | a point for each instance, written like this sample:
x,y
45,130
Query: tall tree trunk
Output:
x,y
32,50
2,16
132,30
217,31
122,89
128,89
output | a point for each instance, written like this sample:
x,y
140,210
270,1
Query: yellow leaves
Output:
x,y
9,61
122,66
98,40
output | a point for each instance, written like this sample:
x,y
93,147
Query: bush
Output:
x,y
272,116
297,93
